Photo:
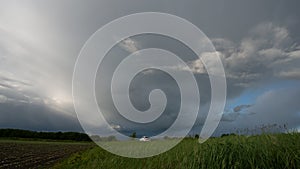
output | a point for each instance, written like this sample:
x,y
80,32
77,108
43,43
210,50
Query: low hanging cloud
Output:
x,y
240,110
241,107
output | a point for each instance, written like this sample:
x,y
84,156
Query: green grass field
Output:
x,y
263,151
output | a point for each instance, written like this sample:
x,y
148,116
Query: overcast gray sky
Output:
x,y
258,41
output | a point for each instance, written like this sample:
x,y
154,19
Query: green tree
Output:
x,y
133,135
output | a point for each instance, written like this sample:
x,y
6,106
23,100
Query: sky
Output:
x,y
258,43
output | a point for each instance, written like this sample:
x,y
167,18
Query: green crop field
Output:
x,y
264,151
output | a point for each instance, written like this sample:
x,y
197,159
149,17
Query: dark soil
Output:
x,y
36,155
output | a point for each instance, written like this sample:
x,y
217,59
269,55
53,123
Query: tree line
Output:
x,y
18,133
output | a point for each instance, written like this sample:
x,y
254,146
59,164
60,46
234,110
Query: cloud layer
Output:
x,y
40,42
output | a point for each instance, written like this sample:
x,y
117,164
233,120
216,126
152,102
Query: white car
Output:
x,y
145,138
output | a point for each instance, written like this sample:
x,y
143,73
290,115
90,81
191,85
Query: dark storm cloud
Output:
x,y
40,40
240,110
266,55
31,112
35,117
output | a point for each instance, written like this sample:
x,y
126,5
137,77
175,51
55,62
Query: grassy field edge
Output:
x,y
262,151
